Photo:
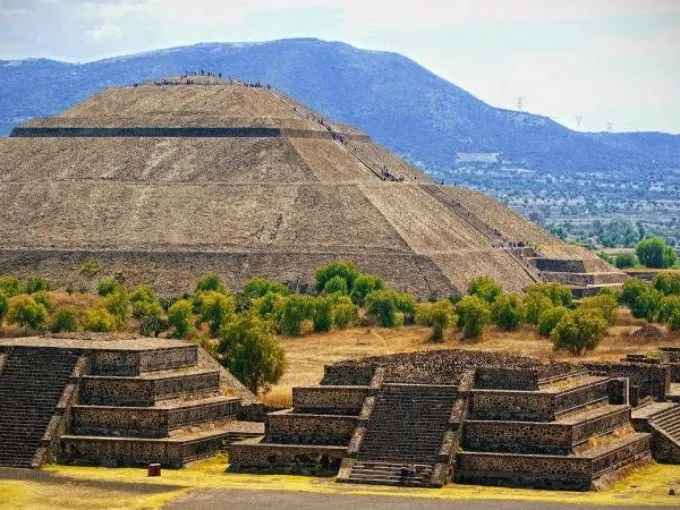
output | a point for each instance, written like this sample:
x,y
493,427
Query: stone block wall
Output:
x,y
292,428
132,363
511,405
330,399
506,379
645,379
250,455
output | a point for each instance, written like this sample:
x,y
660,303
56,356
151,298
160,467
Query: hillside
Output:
x,y
422,117
201,175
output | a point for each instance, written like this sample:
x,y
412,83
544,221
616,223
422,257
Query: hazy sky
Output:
x,y
612,61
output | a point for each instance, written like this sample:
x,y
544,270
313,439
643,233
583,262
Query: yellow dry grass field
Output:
x,y
76,488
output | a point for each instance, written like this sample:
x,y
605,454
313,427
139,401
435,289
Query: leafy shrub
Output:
x,y
473,315
606,257
26,313
364,285
406,304
4,306
507,312
35,284
179,317
118,305
382,306
559,294
337,284
91,268
209,283
674,322
11,286
268,305
624,260
293,312
535,303
654,252
153,326
668,283
647,305
485,288
550,318
345,313
322,313
455,297
259,287
216,309
579,331
250,351
344,269
632,289
438,315
43,298
108,286
605,303
99,320
670,305
65,319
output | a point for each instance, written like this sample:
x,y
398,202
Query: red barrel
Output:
x,y
153,470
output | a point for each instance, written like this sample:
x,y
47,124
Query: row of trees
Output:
x,y
656,302
652,252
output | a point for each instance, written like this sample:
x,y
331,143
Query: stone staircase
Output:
x,y
407,428
568,432
662,420
32,383
585,277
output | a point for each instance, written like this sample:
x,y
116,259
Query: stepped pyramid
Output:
x,y
165,181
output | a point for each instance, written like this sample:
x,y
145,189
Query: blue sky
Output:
x,y
606,61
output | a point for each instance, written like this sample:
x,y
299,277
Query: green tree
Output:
x,y
624,260
438,316
668,283
535,303
382,306
337,284
406,304
674,322
364,285
35,284
108,286
11,286
217,309
618,232
670,305
559,294
473,315
99,320
251,353
322,313
647,305
632,289
485,288
43,298
579,331
65,319
605,303
294,311
4,306
345,269
345,313
654,252
209,283
259,287
507,312
550,318
118,305
269,306
26,313
179,317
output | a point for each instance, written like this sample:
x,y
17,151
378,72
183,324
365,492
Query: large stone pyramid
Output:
x,y
162,182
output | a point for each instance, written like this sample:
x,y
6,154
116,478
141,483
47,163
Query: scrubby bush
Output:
x,y
549,319
43,298
632,289
216,309
26,313
344,269
108,286
579,331
535,303
179,317
99,320
654,252
674,322
406,304
249,350
364,285
670,305
438,315
259,287
345,313
507,312
294,311
454,298
382,306
485,288
209,283
268,305
65,319
473,315
625,260
118,305
35,284
668,283
322,313
606,257
11,286
606,303
559,294
336,285
647,305
4,306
